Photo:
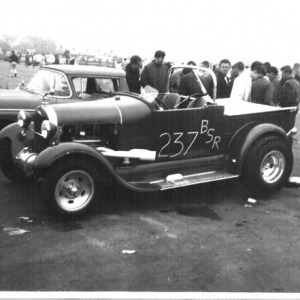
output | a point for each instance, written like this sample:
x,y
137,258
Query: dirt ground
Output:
x,y
205,238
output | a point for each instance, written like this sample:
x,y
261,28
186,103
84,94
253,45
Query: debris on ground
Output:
x,y
251,200
238,223
128,251
14,231
26,219
293,182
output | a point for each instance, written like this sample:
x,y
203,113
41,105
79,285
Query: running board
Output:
x,y
177,180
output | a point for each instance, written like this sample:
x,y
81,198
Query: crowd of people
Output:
x,y
261,83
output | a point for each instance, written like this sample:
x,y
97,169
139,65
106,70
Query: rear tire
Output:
x,y
71,187
268,166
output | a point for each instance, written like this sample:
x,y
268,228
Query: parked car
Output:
x,y
6,55
64,84
147,143
102,61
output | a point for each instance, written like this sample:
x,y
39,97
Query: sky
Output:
x,y
239,30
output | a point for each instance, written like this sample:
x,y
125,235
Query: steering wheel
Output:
x,y
160,104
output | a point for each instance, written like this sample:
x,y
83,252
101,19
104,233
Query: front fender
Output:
x,y
243,140
52,154
13,133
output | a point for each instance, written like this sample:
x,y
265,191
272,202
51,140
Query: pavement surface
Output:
x,y
206,238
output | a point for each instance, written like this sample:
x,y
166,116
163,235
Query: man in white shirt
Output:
x,y
242,84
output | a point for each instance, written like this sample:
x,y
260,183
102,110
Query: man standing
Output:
x,y
14,60
296,72
289,94
124,63
262,89
241,88
224,84
133,74
272,75
155,73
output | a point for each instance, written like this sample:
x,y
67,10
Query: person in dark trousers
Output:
x,y
155,74
224,83
289,94
27,57
56,61
133,74
14,60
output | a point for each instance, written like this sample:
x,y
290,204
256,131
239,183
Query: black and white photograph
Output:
x,y
150,149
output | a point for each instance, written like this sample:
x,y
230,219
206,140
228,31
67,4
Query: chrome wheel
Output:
x,y
272,166
74,190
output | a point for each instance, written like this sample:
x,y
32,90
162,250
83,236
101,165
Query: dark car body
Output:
x,y
63,84
148,143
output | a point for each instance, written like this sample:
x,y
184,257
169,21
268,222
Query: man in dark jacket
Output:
x,y
133,74
14,60
262,88
289,94
224,84
155,73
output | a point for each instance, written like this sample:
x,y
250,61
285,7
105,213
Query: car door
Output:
x,y
188,133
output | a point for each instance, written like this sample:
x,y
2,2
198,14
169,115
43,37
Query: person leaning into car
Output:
x,y
155,73
133,74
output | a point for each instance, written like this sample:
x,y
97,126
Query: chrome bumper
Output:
x,y
25,160
292,132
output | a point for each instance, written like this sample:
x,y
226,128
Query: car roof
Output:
x,y
86,70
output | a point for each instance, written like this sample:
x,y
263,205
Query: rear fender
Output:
x,y
244,139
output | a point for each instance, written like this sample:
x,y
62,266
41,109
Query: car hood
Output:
x,y
16,99
114,110
235,107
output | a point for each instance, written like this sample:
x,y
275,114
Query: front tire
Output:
x,y
70,188
268,166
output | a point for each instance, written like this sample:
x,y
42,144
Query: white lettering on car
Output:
x,y
168,142
213,139
196,134
204,125
178,142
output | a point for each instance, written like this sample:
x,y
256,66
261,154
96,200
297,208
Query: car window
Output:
x,y
95,85
107,85
79,85
45,81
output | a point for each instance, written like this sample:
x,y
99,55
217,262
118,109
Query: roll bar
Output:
x,y
211,72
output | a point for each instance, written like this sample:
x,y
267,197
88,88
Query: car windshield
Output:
x,y
46,81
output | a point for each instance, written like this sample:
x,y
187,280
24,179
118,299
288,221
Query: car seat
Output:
x,y
198,102
171,100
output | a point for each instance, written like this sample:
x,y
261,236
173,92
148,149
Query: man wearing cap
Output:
x,y
289,94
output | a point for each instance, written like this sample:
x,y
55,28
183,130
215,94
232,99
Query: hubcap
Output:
x,y
74,190
272,166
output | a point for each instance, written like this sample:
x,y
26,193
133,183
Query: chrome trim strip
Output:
x,y
16,109
120,113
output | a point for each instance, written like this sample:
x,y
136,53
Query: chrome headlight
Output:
x,y
24,119
48,129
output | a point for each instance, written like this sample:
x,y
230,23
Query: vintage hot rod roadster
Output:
x,y
147,143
